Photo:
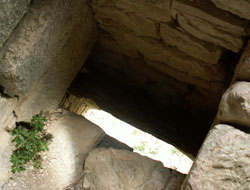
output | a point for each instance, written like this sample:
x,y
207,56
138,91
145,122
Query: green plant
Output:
x,y
30,139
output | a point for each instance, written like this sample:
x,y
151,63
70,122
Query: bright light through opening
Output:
x,y
143,143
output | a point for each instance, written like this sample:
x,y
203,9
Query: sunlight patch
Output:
x,y
142,142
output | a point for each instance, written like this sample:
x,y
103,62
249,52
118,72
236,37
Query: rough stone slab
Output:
x,y
73,138
242,71
50,89
158,10
223,161
155,51
239,7
203,20
235,104
170,60
215,86
177,37
37,40
11,13
110,169
125,20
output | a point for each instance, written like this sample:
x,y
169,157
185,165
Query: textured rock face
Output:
x,y
11,12
73,138
242,71
203,20
235,104
45,53
7,120
50,89
176,36
190,41
223,161
7,106
110,169
38,39
240,7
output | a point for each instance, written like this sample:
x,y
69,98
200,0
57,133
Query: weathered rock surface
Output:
x,y
154,50
242,71
223,161
235,104
158,10
189,46
174,35
40,39
7,106
111,169
67,60
7,120
204,21
11,13
73,138
239,7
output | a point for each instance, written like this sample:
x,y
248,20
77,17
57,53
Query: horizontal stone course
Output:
x,y
204,21
239,7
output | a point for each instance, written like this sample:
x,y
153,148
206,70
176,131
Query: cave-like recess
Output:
x,y
147,99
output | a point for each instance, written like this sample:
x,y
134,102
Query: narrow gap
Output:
x,y
139,141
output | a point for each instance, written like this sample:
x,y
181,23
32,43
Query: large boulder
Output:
x,y
223,161
41,63
40,39
111,169
73,138
235,104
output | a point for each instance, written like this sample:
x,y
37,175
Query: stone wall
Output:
x,y
223,160
194,42
179,53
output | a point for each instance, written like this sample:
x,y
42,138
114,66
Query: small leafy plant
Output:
x,y
30,140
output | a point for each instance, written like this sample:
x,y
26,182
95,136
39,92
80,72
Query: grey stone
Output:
x,y
223,161
37,41
242,71
11,13
73,138
64,66
235,104
111,169
7,106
